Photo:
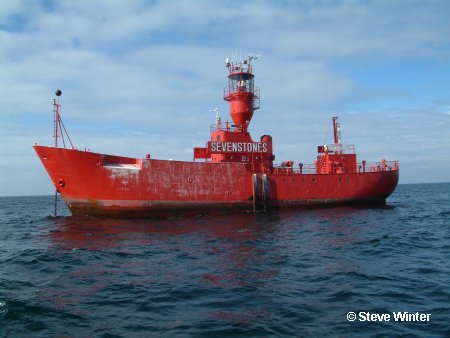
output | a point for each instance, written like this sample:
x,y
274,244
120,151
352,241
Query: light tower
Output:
x,y
241,92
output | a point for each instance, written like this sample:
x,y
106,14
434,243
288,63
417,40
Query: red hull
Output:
x,y
106,185
237,172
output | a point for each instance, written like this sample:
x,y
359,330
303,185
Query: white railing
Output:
x,y
360,167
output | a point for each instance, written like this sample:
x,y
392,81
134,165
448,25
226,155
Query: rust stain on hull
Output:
x,y
166,188
237,173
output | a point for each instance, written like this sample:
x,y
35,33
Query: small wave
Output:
x,y
444,213
3,308
427,270
342,296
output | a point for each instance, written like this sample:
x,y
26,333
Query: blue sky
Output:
x,y
141,77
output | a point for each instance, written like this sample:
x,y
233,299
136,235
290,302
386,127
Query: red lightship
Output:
x,y
231,173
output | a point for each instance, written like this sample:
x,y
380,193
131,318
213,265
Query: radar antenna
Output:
x,y
252,57
216,110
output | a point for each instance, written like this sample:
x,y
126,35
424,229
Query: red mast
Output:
x,y
57,118
241,92
337,131
58,126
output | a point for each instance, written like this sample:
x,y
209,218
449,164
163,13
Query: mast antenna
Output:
x,y
216,110
56,119
59,129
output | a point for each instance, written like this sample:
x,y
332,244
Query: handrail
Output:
x,y
223,126
227,91
361,167
337,149
383,166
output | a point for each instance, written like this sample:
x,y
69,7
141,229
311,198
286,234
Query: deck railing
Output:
x,y
383,166
225,126
337,149
360,167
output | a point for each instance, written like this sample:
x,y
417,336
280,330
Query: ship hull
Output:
x,y
96,184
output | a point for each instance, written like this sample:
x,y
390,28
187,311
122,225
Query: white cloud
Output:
x,y
138,75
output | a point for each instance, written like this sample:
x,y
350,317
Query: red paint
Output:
x,y
237,173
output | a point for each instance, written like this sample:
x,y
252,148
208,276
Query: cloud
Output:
x,y
141,76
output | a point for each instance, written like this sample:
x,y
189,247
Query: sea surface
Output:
x,y
279,274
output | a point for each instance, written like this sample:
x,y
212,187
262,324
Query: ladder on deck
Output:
x,y
260,192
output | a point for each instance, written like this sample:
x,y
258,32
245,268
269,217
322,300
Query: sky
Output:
x,y
141,77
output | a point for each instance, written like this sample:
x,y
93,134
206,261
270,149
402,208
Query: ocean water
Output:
x,y
280,274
